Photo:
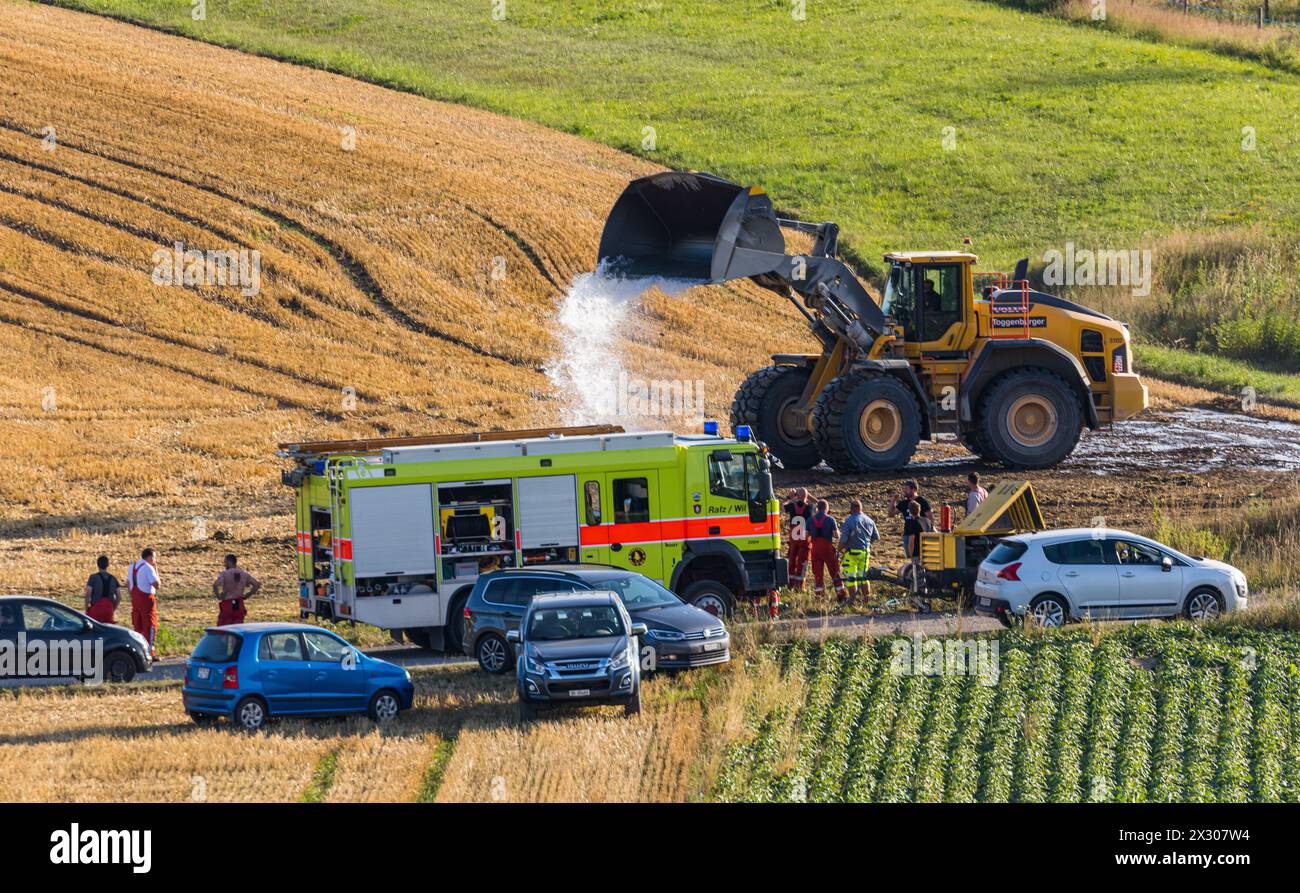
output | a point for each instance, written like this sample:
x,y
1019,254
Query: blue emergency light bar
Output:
x,y
744,432
711,428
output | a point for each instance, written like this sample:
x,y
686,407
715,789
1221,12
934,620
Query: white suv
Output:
x,y
1100,574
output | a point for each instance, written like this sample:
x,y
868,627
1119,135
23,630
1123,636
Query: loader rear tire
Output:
x,y
763,401
1029,419
972,441
866,422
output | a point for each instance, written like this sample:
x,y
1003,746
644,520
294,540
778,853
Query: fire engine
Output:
x,y
393,532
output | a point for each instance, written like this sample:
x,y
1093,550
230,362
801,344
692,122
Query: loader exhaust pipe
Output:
x,y
692,226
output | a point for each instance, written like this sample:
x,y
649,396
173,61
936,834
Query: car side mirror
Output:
x,y
639,629
86,625
1166,564
512,636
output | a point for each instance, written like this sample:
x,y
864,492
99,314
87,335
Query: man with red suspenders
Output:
x,y
800,512
822,534
143,581
102,593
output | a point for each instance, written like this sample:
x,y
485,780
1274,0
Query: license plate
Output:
x,y
712,646
579,692
986,601
204,672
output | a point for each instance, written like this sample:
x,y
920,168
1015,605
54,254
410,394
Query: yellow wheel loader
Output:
x,y
1014,373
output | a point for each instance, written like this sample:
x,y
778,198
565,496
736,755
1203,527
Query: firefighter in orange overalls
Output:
x,y
143,583
800,511
232,587
822,534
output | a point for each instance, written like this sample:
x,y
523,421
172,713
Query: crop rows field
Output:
x,y
1148,714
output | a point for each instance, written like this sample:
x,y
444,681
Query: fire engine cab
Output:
x,y
393,532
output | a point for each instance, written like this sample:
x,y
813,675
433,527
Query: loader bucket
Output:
x,y
691,226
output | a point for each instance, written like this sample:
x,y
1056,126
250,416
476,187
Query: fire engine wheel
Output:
x,y
1029,419
454,636
711,596
766,401
866,422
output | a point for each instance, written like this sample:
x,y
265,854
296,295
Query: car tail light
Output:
x,y
230,678
1010,572
467,612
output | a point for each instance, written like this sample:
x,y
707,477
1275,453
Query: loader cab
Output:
x,y
928,296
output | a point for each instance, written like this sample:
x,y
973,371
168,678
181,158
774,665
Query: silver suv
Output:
x,y
577,648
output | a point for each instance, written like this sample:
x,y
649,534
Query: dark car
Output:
x,y
248,672
91,650
678,634
577,648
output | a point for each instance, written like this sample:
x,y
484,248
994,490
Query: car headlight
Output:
x,y
1240,582
620,661
139,640
666,635
408,674
533,665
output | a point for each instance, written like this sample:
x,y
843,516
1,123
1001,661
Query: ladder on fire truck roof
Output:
x,y
315,448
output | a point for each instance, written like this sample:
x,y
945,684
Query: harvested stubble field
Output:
x,y
460,742
408,284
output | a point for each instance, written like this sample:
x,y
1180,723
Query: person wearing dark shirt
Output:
x,y
914,524
909,494
103,592
823,534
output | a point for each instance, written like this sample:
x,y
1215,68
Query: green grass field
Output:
x,y
1058,131
1148,714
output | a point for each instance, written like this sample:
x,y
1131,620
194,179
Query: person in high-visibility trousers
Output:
x,y
233,586
800,512
822,553
857,533
143,583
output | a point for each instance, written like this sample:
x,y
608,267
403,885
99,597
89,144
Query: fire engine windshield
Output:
x,y
735,476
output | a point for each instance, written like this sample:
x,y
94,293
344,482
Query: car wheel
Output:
x,y
493,653
711,596
203,719
120,667
633,705
1203,604
384,706
1010,620
1049,611
250,714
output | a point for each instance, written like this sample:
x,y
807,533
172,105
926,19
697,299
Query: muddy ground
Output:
x,y
1193,456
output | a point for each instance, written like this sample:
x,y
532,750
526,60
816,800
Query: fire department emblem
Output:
x,y
637,557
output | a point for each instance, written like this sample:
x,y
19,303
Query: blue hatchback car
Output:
x,y
248,672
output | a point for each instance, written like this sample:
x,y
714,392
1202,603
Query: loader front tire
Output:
x,y
866,422
764,401
1029,419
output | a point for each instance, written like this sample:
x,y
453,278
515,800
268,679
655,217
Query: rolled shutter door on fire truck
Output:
x,y
392,530
548,511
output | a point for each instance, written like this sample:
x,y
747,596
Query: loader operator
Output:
x,y
800,511
821,532
232,587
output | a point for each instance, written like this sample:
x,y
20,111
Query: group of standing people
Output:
x,y
103,594
842,551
